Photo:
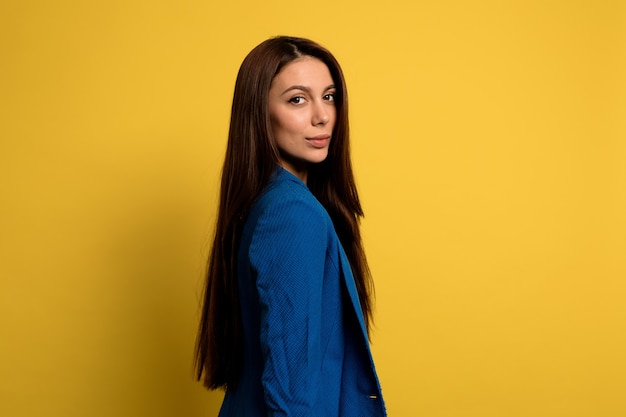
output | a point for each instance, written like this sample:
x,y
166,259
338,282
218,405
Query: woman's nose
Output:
x,y
320,115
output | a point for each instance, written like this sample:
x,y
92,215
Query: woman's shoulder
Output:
x,y
284,186
287,210
288,194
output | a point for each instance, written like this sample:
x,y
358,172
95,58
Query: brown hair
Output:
x,y
251,158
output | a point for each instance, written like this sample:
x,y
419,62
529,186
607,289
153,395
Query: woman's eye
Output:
x,y
330,97
297,100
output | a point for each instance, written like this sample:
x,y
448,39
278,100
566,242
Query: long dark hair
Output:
x,y
251,158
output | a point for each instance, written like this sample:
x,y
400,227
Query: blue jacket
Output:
x,y
306,349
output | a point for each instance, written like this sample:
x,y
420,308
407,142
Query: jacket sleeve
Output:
x,y
287,253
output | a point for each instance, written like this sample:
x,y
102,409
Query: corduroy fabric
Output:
x,y
306,350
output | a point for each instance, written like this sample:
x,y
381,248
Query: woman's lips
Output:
x,y
320,141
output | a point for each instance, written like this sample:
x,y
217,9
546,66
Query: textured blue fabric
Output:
x,y
306,348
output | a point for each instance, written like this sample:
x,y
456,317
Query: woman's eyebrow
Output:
x,y
305,88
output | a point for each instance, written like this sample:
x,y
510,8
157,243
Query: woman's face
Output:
x,y
302,112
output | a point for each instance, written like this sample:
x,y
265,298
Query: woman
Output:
x,y
287,305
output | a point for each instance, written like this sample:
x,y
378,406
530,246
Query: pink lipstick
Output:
x,y
319,141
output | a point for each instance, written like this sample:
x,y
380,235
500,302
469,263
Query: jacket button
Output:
x,y
373,397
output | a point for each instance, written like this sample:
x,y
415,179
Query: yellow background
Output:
x,y
489,140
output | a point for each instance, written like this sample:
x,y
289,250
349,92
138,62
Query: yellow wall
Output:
x,y
490,150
